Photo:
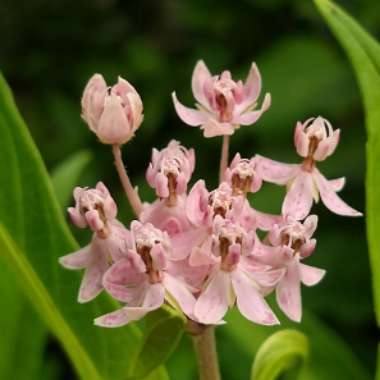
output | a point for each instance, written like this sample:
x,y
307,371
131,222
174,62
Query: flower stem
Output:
x,y
131,193
207,357
224,157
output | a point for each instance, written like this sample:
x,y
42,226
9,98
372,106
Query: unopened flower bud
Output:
x,y
113,113
94,208
170,171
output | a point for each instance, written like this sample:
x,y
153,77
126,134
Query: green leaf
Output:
x,y
330,357
283,351
164,329
65,176
32,216
364,53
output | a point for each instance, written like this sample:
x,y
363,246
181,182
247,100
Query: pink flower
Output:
x,y
170,171
231,278
291,242
141,279
223,104
113,113
94,208
314,140
242,175
95,258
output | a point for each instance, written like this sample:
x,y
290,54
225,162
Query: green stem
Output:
x,y
205,350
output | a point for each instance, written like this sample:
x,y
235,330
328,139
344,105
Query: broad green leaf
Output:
x,y
283,351
330,357
24,336
364,54
31,214
163,331
65,176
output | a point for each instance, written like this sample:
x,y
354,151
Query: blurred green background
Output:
x,y
49,49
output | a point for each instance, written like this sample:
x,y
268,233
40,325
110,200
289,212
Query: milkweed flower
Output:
x,y
223,105
141,279
315,140
95,208
112,113
290,243
231,278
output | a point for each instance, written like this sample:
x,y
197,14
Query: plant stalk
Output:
x,y
207,357
224,157
131,193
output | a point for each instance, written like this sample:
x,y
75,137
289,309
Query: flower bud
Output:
x,y
170,171
94,208
112,113
315,139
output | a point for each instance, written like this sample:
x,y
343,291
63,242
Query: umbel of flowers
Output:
x,y
196,249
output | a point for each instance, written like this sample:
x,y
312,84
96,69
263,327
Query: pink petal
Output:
x,y
288,293
249,300
275,172
266,221
213,302
331,199
197,204
76,217
92,282
299,198
310,276
78,259
201,75
213,128
327,146
123,282
202,255
189,116
337,184
250,117
301,141
158,256
184,242
252,85
154,298
113,127
180,293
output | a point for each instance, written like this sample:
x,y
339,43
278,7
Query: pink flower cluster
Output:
x,y
199,250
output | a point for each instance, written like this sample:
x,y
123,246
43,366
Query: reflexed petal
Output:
x,y
266,221
213,128
78,259
201,74
213,302
249,300
337,184
154,298
184,242
92,282
331,199
310,275
123,282
274,171
288,293
189,116
299,198
250,117
180,293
